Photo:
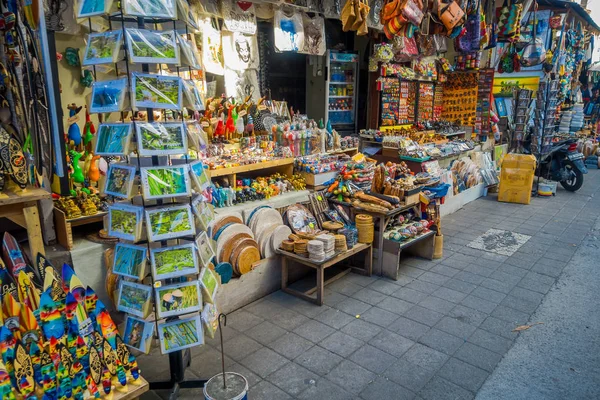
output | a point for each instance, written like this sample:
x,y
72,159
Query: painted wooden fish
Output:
x,y
12,254
12,311
71,283
7,349
28,294
29,327
6,388
42,263
48,372
24,371
51,319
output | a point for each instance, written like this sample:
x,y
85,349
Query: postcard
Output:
x,y
161,182
156,91
180,334
178,299
108,96
159,139
90,8
199,176
210,319
103,48
138,333
150,8
134,299
125,221
156,47
113,139
204,212
169,222
119,180
174,261
209,283
130,261
205,249
192,98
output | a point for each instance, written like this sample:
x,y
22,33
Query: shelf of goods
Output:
x,y
284,166
64,226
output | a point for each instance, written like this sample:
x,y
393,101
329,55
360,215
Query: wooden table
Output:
x,y
383,220
321,267
64,226
21,207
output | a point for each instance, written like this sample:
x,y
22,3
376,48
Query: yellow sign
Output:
x,y
503,87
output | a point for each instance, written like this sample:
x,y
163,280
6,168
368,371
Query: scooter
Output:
x,y
564,164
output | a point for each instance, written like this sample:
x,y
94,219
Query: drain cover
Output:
x,y
499,242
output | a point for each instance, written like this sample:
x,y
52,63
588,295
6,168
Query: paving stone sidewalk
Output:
x,y
436,333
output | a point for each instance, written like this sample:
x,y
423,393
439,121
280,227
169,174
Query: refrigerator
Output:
x,y
341,92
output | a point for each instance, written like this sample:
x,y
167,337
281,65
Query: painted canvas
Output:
x,y
178,299
148,46
108,96
150,8
156,91
134,299
156,139
199,176
119,180
113,139
138,333
125,221
180,334
169,222
130,260
205,249
161,182
103,47
174,261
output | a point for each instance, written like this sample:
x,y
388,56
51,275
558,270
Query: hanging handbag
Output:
x,y
348,15
439,42
359,17
509,21
405,48
363,28
534,53
412,12
450,14
425,44
390,10
493,34
470,41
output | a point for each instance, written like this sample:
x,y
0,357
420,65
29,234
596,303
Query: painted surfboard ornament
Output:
x,y
28,294
7,349
12,310
30,330
42,263
52,282
23,371
36,361
71,283
127,359
51,318
12,254
91,299
95,365
48,372
70,306
7,284
63,382
6,387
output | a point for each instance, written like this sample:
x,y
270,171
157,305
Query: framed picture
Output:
x,y
156,91
204,212
199,176
205,249
161,182
156,47
169,222
90,8
178,299
192,98
134,299
159,139
174,261
138,333
187,15
210,319
197,138
108,96
119,180
180,334
103,48
150,8
209,284
130,260
189,52
125,221
113,139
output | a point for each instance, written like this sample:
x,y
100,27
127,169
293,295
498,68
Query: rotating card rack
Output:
x,y
179,360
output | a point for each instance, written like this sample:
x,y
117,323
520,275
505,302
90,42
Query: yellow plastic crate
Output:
x,y
516,178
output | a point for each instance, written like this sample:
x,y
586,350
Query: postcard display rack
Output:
x,y
161,262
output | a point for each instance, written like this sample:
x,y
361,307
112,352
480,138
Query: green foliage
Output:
x,y
179,335
123,221
168,138
170,221
128,260
146,88
133,297
166,181
189,298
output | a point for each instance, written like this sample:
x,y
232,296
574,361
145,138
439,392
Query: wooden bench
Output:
x,y
320,268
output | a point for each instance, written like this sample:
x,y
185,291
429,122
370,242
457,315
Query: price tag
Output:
x,y
214,120
242,113
311,225
262,107
319,198
205,124
157,284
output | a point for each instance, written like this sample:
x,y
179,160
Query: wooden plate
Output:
x,y
246,259
227,247
264,241
231,231
239,248
280,234
264,218
224,221
253,212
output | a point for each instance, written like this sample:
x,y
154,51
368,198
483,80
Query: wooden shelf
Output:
x,y
214,173
64,232
14,196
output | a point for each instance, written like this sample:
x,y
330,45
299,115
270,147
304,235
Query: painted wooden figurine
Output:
x,y
74,133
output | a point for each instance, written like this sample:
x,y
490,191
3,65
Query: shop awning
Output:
x,y
577,9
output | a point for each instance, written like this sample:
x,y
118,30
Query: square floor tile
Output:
x,y
293,378
318,360
372,358
350,376
341,344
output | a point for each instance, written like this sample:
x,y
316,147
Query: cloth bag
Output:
x,y
509,21
470,42
450,14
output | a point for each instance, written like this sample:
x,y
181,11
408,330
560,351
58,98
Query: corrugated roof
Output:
x,y
577,9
